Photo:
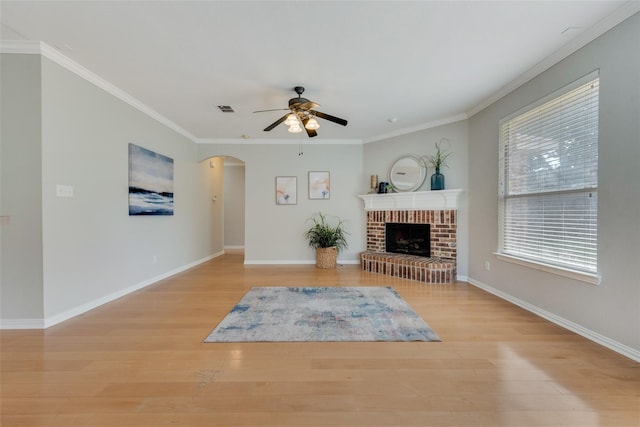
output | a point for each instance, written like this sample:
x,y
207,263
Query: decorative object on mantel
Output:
x,y
326,239
407,173
438,161
383,187
374,184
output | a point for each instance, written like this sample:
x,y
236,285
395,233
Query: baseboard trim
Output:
x,y
68,314
277,262
620,348
21,323
293,262
233,247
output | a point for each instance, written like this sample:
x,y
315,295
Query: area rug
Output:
x,y
278,314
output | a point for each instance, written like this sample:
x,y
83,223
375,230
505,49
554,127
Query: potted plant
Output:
x,y
438,161
326,239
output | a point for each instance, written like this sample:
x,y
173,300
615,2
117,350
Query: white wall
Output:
x,y
274,233
234,195
92,250
21,282
610,312
379,157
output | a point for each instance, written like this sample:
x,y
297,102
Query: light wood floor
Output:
x,y
140,361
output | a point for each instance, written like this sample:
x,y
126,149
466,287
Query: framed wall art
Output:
x,y
150,182
319,186
286,190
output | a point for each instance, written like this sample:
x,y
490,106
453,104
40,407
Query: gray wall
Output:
x,y
274,233
91,250
610,309
379,157
21,282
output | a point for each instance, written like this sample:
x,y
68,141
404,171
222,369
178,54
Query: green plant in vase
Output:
x,y
438,161
326,239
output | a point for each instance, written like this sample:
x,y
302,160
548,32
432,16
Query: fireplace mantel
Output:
x,y
417,200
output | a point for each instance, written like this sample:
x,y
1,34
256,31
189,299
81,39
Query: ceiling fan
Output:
x,y
302,115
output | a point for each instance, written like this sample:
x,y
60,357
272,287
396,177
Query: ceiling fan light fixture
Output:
x,y
295,128
302,115
312,124
291,120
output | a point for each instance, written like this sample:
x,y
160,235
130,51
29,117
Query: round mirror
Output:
x,y
407,173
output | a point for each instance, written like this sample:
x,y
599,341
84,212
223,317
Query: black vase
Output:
x,y
437,181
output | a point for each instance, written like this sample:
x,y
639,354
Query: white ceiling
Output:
x,y
419,62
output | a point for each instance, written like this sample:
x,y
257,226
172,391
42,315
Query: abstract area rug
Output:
x,y
278,314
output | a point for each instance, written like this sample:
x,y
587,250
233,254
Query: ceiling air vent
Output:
x,y
226,109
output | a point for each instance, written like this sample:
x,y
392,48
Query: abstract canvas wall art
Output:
x,y
150,182
286,190
319,185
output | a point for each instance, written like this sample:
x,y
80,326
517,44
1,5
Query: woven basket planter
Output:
x,y
326,257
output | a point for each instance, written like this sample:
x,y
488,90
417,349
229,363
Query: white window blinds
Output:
x,y
549,179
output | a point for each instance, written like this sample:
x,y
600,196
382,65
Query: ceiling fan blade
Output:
x,y
275,109
310,132
334,119
276,123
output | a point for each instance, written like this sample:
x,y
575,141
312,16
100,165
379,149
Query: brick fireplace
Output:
x,y
436,208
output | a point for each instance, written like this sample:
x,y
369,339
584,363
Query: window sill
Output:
x,y
592,279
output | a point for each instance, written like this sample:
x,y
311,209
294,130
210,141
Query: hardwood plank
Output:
x,y
140,361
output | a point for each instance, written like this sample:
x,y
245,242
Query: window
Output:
x,y
549,180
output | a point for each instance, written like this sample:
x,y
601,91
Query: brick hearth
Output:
x,y
440,268
437,208
428,270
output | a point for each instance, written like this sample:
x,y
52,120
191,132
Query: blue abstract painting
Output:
x,y
150,182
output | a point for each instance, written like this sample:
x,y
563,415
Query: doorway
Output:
x,y
234,205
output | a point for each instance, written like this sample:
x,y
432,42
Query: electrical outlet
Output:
x,y
487,265
154,259
64,190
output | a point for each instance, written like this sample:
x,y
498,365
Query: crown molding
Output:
x,y
276,141
43,49
417,128
625,11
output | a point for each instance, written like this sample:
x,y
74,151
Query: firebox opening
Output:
x,y
411,239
